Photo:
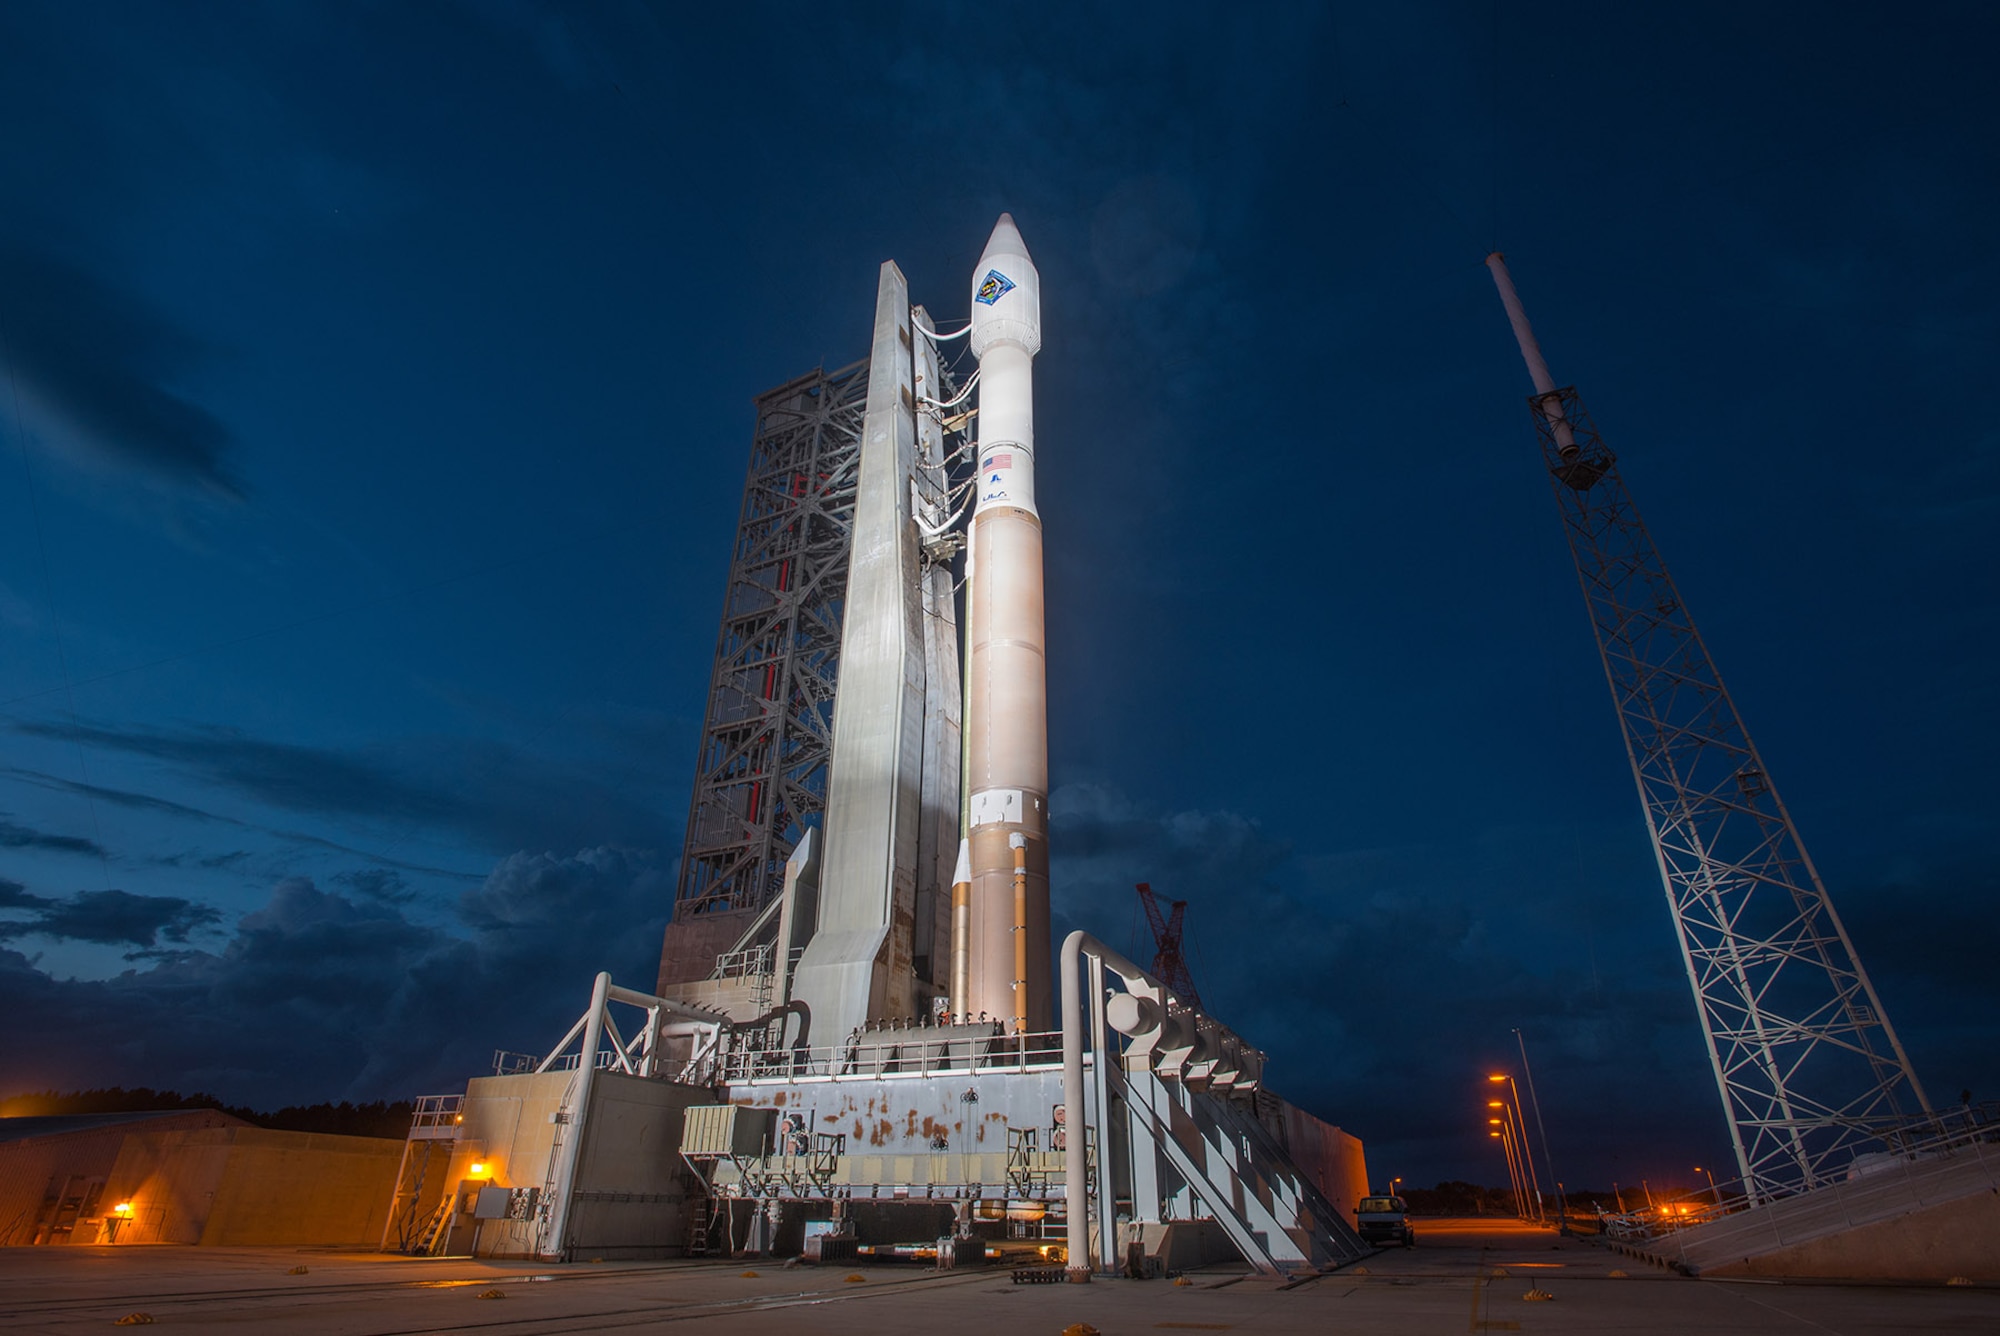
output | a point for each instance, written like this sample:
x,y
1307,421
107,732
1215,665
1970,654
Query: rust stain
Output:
x,y
859,1131
884,1129
778,1099
831,1118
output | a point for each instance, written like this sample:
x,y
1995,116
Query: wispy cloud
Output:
x,y
14,836
500,798
94,363
109,918
147,802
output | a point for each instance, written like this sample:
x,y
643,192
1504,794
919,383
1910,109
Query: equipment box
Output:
x,y
728,1129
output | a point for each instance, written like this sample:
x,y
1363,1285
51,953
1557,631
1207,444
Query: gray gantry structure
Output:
x,y
1808,1066
767,740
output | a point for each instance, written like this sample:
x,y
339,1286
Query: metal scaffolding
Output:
x,y
1809,1068
761,773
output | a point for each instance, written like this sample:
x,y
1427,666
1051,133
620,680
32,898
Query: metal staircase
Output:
x,y
1270,1210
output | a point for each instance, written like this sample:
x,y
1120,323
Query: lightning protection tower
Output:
x,y
1808,1066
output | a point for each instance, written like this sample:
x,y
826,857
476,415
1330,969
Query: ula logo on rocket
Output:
x,y
995,286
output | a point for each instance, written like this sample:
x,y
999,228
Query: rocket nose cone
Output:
x,y
1006,240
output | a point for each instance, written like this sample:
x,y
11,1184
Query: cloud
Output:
x,y
500,798
320,994
109,918
94,364
382,884
22,837
146,802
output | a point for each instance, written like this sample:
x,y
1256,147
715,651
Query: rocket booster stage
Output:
x,y
1002,970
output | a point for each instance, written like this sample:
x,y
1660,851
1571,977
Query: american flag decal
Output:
x,y
1000,461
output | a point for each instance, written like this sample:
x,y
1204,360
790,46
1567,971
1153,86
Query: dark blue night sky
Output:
x,y
377,401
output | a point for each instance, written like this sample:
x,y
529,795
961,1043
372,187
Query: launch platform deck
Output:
x,y
1448,1283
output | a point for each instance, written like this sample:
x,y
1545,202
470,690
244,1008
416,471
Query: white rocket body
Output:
x,y
1006,720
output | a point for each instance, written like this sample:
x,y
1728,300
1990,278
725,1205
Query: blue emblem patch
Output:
x,y
993,287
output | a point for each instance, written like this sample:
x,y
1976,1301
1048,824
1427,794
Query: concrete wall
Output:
x,y
57,1189
1957,1239
247,1187
1333,1159
632,1187
633,1190
508,1127
202,1178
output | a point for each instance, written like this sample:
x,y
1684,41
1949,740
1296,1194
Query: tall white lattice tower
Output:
x,y
1808,1066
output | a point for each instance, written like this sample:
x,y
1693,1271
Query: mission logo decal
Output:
x,y
993,287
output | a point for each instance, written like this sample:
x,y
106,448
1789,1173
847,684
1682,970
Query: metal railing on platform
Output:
x,y
915,1051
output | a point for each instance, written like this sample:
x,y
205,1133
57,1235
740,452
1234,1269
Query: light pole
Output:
x,y
1513,1178
1511,1148
1527,1158
1713,1191
1541,1128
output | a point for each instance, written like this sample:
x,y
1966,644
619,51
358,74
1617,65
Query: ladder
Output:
x,y
698,1222
431,1241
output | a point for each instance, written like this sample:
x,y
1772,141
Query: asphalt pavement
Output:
x,y
1463,1276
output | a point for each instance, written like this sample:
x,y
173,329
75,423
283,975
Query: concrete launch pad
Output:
x,y
1451,1282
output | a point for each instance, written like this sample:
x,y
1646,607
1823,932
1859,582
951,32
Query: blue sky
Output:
x,y
377,403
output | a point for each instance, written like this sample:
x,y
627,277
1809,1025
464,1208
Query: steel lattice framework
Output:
x,y
761,773
1809,1068
1170,965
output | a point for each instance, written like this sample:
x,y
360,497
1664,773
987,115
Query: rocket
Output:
x,y
1000,951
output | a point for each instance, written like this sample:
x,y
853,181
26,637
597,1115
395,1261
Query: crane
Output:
x,y
1170,965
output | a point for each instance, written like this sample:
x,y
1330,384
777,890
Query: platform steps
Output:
x,y
1277,1219
1882,1194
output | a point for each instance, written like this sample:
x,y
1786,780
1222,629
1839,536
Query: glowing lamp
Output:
x,y
478,1168
122,1209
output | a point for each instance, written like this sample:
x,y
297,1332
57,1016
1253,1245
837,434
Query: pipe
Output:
x,y
1076,1190
1547,399
961,929
586,1071
1019,844
1534,1099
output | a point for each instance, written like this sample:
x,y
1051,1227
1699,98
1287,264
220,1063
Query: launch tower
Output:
x,y
1808,1066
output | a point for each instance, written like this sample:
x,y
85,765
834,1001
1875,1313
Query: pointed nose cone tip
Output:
x,y
1006,293
1006,240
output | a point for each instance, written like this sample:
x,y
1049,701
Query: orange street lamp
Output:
x,y
1528,1174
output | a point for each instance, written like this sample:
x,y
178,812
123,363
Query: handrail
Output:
x,y
913,1052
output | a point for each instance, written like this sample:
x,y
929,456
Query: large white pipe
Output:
x,y
1531,353
1006,716
1076,1169
579,1108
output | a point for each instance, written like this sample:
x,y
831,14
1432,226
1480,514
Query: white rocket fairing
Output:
x,y
1006,919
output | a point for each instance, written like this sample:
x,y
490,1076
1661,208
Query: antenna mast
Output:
x,y
1808,1066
